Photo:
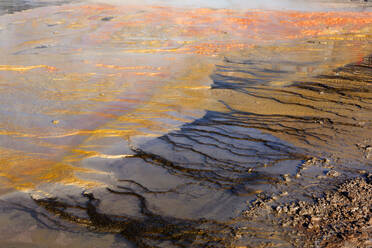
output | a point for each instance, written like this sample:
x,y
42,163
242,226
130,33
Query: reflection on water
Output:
x,y
158,124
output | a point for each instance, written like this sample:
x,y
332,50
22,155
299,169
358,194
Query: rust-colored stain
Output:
x,y
26,68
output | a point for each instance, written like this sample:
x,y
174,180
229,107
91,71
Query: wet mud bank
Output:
x,y
340,218
327,201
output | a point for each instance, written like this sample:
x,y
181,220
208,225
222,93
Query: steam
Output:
x,y
302,5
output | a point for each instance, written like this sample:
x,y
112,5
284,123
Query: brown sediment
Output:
x,y
340,218
329,110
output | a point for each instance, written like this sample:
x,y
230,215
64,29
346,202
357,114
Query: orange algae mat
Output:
x,y
207,31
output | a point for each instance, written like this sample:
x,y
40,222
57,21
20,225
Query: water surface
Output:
x,y
141,125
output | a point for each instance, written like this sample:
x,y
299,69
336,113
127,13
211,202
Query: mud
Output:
x,y
340,218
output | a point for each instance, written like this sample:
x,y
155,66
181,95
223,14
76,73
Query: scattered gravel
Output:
x,y
342,218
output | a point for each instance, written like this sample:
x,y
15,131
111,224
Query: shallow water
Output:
x,y
151,126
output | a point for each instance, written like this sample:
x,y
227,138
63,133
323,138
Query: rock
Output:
x,y
107,18
333,173
286,178
342,216
284,193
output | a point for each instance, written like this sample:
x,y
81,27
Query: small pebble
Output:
x,y
333,173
